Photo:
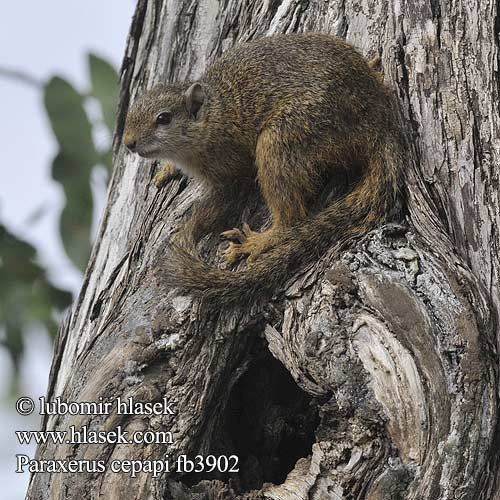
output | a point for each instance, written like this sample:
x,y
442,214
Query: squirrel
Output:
x,y
286,111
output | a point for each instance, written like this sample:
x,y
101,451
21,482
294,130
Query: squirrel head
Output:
x,y
165,122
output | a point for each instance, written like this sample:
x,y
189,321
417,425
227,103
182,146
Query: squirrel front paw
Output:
x,y
167,171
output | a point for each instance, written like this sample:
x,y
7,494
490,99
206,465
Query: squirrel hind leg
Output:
x,y
286,182
286,176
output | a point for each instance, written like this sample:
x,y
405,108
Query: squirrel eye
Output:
x,y
164,118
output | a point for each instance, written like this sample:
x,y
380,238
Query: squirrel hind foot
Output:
x,y
247,243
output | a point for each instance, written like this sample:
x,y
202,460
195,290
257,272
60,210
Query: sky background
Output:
x,y
42,39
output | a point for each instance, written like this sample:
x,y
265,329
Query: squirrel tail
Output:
x,y
368,204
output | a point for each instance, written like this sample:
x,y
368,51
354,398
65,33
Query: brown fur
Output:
x,y
284,110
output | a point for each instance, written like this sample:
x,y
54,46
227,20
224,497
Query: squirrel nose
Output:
x,y
131,146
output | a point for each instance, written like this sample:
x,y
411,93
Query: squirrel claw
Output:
x,y
245,243
237,247
232,253
238,235
247,231
235,235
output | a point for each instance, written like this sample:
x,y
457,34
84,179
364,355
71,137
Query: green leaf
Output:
x,y
105,81
69,120
68,170
26,296
76,218
14,342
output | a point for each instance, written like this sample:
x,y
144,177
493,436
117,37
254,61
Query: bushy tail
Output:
x,y
353,215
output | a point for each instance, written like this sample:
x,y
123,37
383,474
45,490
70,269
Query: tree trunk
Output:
x,y
373,374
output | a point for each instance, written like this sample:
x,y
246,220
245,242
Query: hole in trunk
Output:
x,y
268,422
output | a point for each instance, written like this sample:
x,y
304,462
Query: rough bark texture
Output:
x,y
374,374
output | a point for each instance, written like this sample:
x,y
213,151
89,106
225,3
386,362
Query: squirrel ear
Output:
x,y
195,97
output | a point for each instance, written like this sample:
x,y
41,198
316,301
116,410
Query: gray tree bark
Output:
x,y
373,374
